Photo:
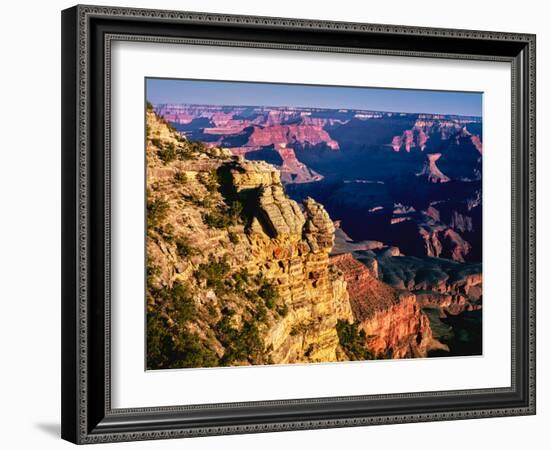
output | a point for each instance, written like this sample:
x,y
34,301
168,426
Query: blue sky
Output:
x,y
271,94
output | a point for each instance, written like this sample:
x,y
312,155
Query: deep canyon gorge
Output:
x,y
283,235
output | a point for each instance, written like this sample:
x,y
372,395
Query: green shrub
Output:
x,y
282,310
197,200
261,313
156,142
185,310
177,300
236,209
212,311
233,237
174,346
214,273
225,218
252,296
182,152
168,350
240,345
183,248
192,352
241,280
352,340
159,341
180,177
167,153
209,180
216,219
197,146
157,210
269,295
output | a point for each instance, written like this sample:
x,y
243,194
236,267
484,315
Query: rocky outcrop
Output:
x,y
275,134
450,286
344,244
392,319
319,229
448,304
415,138
248,266
430,170
238,273
435,127
437,236
457,247
473,138
441,242
290,134
476,141
403,331
279,216
433,245
292,170
461,222
290,249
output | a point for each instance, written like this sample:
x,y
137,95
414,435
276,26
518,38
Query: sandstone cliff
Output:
x,y
237,272
392,319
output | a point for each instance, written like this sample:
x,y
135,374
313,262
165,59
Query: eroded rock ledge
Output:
x,y
392,319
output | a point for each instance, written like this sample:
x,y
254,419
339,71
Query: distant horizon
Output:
x,y
278,95
227,105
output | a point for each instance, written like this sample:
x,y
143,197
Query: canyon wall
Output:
x,y
392,319
237,272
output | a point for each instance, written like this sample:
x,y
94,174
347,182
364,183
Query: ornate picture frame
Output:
x,y
88,33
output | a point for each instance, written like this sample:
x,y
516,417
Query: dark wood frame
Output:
x,y
87,32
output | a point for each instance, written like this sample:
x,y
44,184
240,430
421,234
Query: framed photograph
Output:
x,y
280,224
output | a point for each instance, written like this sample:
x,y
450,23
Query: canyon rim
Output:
x,y
307,224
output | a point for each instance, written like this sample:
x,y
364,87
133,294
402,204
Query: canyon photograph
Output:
x,y
294,224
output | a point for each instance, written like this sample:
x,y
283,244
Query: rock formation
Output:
x,y
290,134
473,138
344,244
247,130
238,273
392,319
294,171
431,171
248,266
439,237
415,138
435,127
449,286
461,222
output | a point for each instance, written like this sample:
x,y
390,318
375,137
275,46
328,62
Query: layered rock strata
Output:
x,y
253,263
392,319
